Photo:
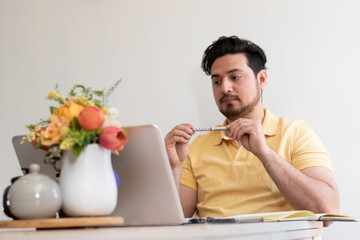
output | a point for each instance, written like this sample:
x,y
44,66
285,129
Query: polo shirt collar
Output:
x,y
269,125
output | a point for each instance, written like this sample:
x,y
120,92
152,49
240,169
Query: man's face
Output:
x,y
235,87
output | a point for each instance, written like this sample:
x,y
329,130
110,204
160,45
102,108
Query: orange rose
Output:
x,y
113,138
52,133
69,110
91,118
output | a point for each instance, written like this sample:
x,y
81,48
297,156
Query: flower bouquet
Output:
x,y
82,132
82,118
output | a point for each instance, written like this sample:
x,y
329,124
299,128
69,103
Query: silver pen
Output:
x,y
205,129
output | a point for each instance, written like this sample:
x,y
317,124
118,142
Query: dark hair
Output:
x,y
231,45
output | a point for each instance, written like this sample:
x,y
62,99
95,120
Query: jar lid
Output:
x,y
35,174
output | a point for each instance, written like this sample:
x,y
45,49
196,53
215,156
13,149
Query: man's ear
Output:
x,y
262,79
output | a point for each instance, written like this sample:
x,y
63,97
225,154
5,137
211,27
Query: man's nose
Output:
x,y
226,86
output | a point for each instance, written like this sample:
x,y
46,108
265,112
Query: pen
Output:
x,y
204,129
224,220
234,220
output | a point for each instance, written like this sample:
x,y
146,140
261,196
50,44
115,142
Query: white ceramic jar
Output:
x,y
88,183
34,196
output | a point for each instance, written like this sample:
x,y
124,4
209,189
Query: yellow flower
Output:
x,y
82,99
64,131
69,110
52,94
105,110
67,143
60,97
33,135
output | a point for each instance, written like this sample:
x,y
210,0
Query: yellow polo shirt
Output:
x,y
230,180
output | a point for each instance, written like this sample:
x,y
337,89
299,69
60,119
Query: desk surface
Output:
x,y
263,231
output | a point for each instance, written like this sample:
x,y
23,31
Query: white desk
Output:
x,y
248,231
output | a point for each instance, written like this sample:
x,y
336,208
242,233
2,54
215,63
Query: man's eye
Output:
x,y
216,82
235,77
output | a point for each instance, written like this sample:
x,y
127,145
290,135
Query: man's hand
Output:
x,y
316,188
177,142
249,134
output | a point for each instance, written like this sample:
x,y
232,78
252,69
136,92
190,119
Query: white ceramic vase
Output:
x,y
88,183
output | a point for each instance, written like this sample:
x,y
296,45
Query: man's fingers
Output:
x,y
240,128
178,139
186,127
181,133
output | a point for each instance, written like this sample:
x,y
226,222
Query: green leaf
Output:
x,y
127,133
31,127
38,144
86,90
75,123
99,93
53,109
73,93
97,103
109,92
76,150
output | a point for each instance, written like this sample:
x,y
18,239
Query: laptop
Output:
x,y
147,194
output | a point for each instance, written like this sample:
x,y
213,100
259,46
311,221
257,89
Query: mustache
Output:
x,y
227,96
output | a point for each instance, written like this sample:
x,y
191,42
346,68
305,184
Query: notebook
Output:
x,y
147,193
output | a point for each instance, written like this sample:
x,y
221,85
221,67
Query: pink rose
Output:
x,y
91,118
113,138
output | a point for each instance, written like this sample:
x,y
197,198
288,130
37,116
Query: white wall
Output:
x,y
156,48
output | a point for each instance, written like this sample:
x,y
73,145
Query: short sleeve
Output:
x,y
308,151
187,177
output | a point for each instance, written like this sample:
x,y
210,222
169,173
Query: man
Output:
x,y
262,163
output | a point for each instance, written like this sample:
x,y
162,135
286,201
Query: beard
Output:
x,y
231,112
